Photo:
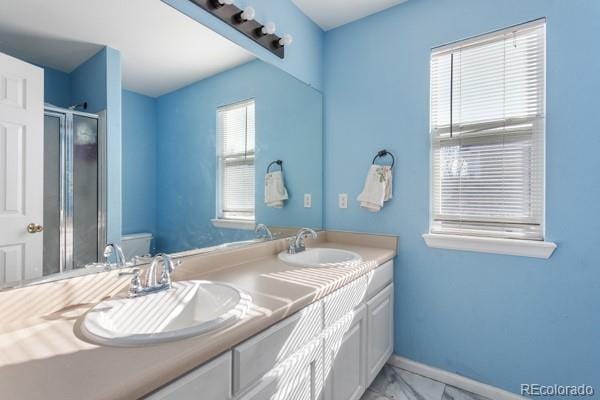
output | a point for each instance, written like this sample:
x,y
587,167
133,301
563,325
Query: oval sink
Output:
x,y
240,243
321,257
189,308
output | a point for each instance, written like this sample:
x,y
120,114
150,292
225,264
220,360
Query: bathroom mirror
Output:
x,y
129,122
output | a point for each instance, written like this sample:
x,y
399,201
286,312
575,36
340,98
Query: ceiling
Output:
x,y
329,14
161,49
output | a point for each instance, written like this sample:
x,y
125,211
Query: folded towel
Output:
x,y
377,189
275,191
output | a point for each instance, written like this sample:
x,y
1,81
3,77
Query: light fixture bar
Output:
x,y
231,15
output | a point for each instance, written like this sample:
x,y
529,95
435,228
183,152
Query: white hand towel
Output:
x,y
275,191
377,189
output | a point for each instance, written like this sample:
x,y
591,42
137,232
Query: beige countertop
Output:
x,y
42,354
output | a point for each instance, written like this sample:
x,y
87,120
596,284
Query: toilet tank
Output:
x,y
136,244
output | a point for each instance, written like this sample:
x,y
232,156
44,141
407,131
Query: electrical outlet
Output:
x,y
343,200
307,200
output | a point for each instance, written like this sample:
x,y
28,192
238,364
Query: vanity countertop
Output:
x,y
42,354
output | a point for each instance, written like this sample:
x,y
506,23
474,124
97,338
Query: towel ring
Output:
x,y
383,153
278,162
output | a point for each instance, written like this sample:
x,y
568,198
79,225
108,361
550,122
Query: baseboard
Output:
x,y
452,379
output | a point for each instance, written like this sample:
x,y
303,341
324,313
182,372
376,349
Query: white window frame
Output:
x,y
487,244
221,220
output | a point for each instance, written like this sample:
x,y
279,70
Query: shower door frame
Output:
x,y
66,132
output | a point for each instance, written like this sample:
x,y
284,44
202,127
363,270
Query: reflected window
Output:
x,y
235,160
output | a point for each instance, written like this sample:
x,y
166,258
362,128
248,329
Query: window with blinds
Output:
x,y
487,134
235,159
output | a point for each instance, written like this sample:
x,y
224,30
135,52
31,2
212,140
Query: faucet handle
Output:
x,y
291,245
135,285
108,251
168,268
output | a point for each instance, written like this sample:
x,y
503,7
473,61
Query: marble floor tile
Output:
x,y
397,384
452,393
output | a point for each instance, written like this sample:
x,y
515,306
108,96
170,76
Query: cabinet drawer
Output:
x,y
379,278
344,300
258,355
211,381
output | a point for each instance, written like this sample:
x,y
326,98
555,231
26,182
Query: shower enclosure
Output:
x,y
74,187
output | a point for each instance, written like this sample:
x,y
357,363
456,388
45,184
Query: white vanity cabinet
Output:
x,y
211,381
359,344
355,342
329,350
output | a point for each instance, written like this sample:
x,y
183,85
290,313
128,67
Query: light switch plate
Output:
x,y
307,200
343,200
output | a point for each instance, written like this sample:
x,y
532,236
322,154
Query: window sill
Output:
x,y
243,224
513,247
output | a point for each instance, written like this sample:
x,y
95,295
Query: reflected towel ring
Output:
x,y
278,162
383,153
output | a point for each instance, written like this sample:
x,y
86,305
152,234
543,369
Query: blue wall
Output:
x,y
139,163
57,87
502,320
303,59
89,82
288,127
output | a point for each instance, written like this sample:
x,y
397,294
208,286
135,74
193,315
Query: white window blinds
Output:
x,y
487,134
235,158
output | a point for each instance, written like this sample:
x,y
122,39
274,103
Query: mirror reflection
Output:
x,y
170,140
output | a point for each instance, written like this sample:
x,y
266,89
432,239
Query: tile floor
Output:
x,y
397,384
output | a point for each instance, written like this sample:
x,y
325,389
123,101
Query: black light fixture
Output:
x,y
247,14
221,3
244,22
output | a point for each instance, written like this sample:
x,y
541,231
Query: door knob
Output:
x,y
34,228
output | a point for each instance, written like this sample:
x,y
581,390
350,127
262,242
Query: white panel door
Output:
x,y
380,331
21,169
345,364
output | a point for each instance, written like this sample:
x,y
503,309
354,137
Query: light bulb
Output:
x,y
248,14
286,40
269,28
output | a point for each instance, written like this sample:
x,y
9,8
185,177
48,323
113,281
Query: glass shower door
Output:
x,y
54,133
71,191
85,190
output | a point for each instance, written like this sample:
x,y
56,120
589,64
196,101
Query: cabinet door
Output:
x,y
299,377
261,353
211,381
345,364
380,331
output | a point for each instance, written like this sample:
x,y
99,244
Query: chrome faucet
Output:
x,y
297,244
266,231
152,284
114,249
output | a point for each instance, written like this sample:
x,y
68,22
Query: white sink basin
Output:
x,y
321,257
189,308
240,243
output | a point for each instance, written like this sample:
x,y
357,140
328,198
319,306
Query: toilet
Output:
x,y
136,244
